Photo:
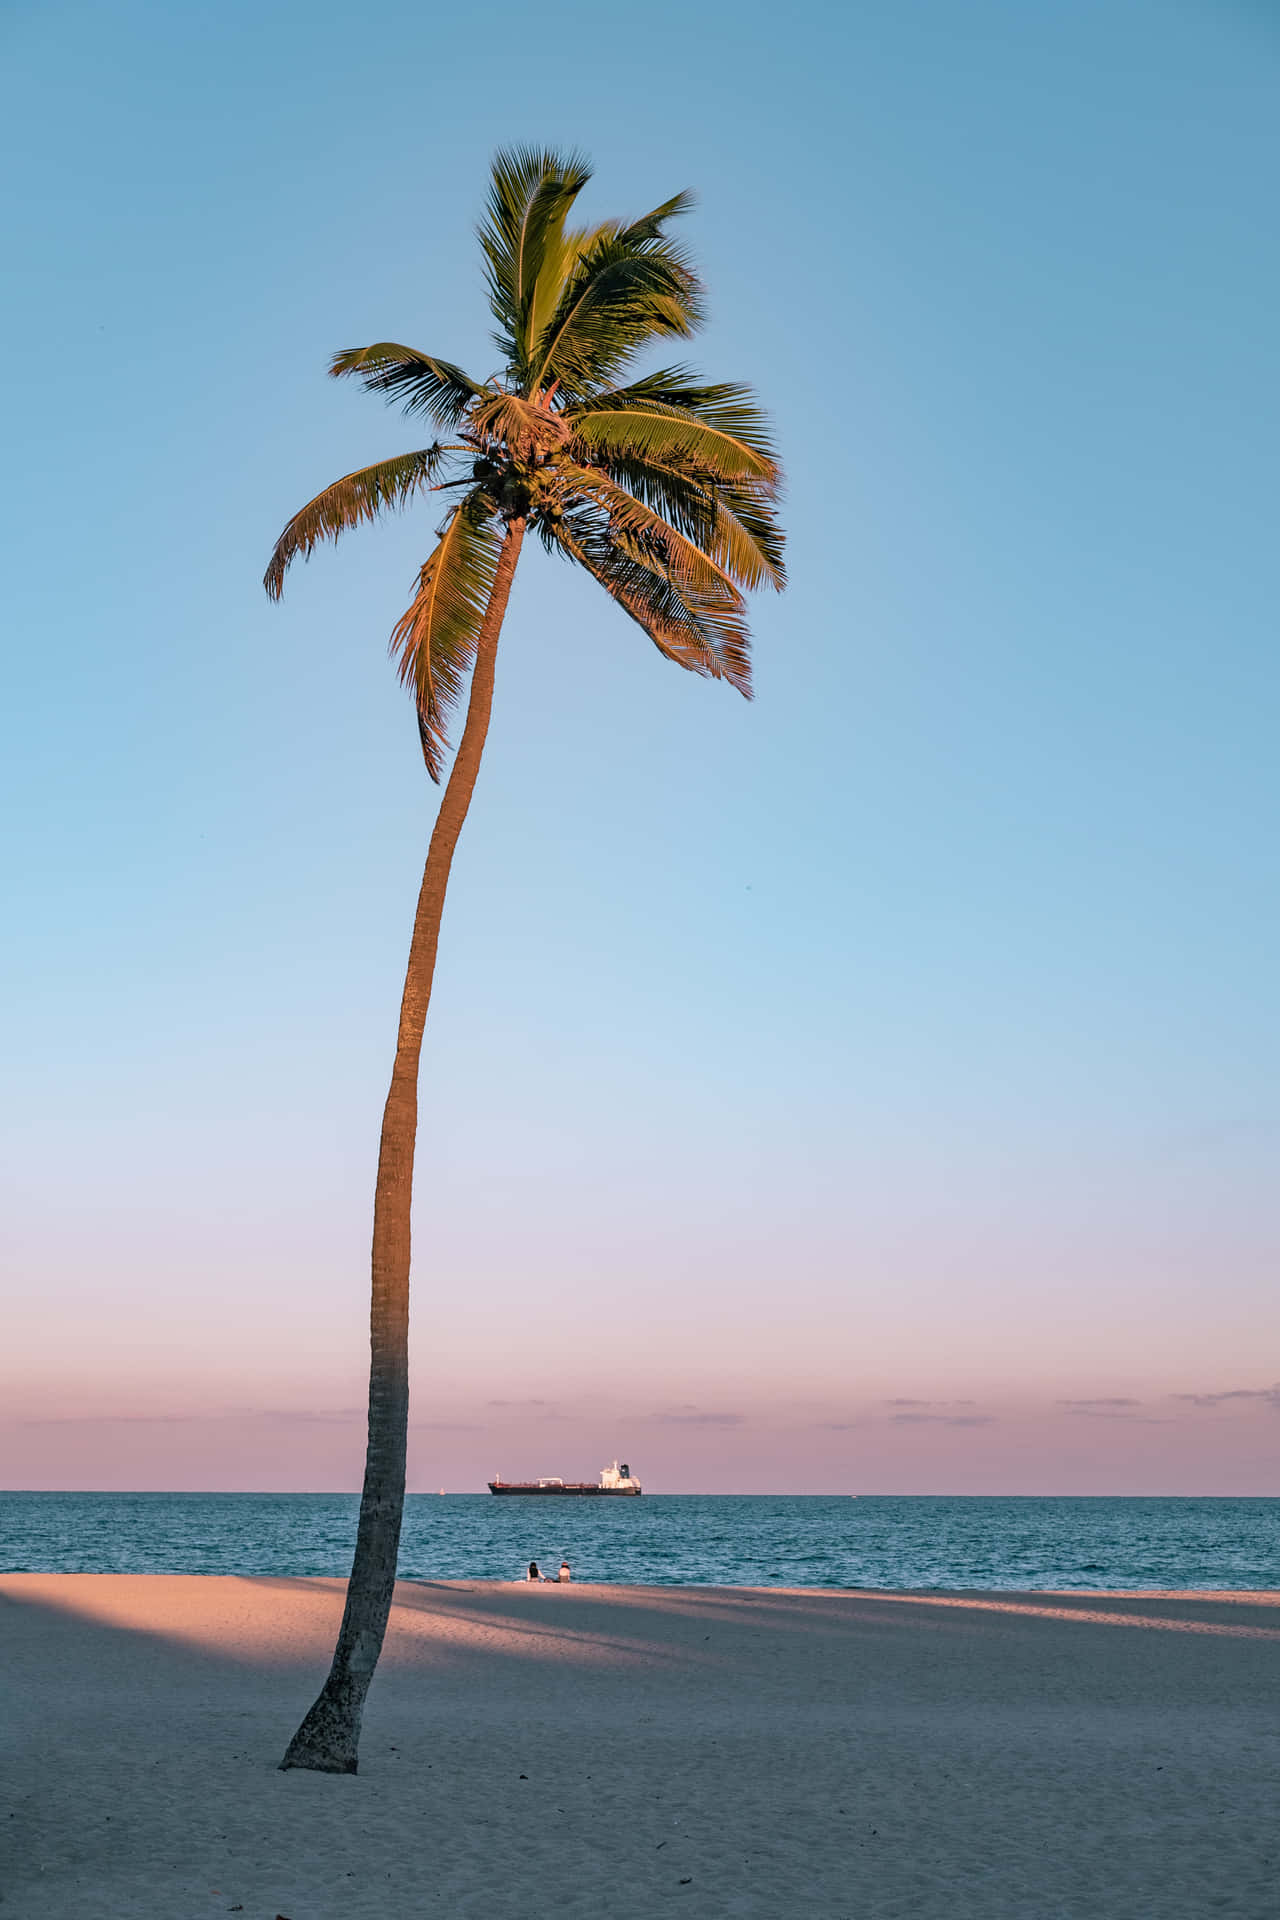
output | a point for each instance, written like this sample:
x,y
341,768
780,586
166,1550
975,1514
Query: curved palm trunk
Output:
x,y
328,1739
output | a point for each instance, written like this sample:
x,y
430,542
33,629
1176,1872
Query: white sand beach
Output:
x,y
595,1751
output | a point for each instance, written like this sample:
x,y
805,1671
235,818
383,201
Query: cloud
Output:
x,y
291,1416
444,1426
122,1419
1084,1406
902,1401
942,1419
334,1416
537,1409
1270,1396
913,1418
1116,1413
695,1419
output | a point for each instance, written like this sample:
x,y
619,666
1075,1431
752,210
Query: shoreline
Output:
x,y
1262,1596
750,1751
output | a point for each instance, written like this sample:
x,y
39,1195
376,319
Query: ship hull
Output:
x,y
583,1492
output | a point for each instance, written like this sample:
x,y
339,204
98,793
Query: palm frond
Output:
x,y
434,640
422,383
357,496
734,524
726,405
522,237
733,461
649,226
635,528
704,633
746,538
622,293
675,386
722,442
685,499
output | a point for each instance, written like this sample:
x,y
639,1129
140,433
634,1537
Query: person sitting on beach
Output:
x,y
534,1573
564,1573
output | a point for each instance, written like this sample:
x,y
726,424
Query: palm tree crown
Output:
x,y
662,487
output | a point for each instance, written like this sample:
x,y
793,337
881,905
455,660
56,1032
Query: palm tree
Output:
x,y
663,488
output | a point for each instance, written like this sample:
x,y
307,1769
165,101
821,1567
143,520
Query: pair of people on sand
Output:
x,y
556,1579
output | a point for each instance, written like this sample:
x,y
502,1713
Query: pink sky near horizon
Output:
x,y
948,1430
1164,1446
232,1386
1039,1335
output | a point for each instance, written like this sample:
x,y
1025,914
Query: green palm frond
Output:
x,y
636,529
734,524
702,632
523,240
676,386
728,408
739,530
683,498
357,496
724,446
434,640
649,226
623,292
747,539
419,381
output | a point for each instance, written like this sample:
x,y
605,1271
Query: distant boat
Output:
x,y
613,1480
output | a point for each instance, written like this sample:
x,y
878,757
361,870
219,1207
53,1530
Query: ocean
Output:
x,y
667,1539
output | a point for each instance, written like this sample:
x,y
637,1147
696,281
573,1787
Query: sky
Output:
x,y
871,1088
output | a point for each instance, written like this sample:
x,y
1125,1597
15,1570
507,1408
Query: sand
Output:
x,y
619,1751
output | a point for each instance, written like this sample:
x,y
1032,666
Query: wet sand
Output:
x,y
609,1751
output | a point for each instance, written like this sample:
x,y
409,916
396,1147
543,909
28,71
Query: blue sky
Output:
x,y
907,1034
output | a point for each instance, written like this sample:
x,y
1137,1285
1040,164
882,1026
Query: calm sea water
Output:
x,y
665,1540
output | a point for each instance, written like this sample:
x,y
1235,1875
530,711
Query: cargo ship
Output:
x,y
614,1479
